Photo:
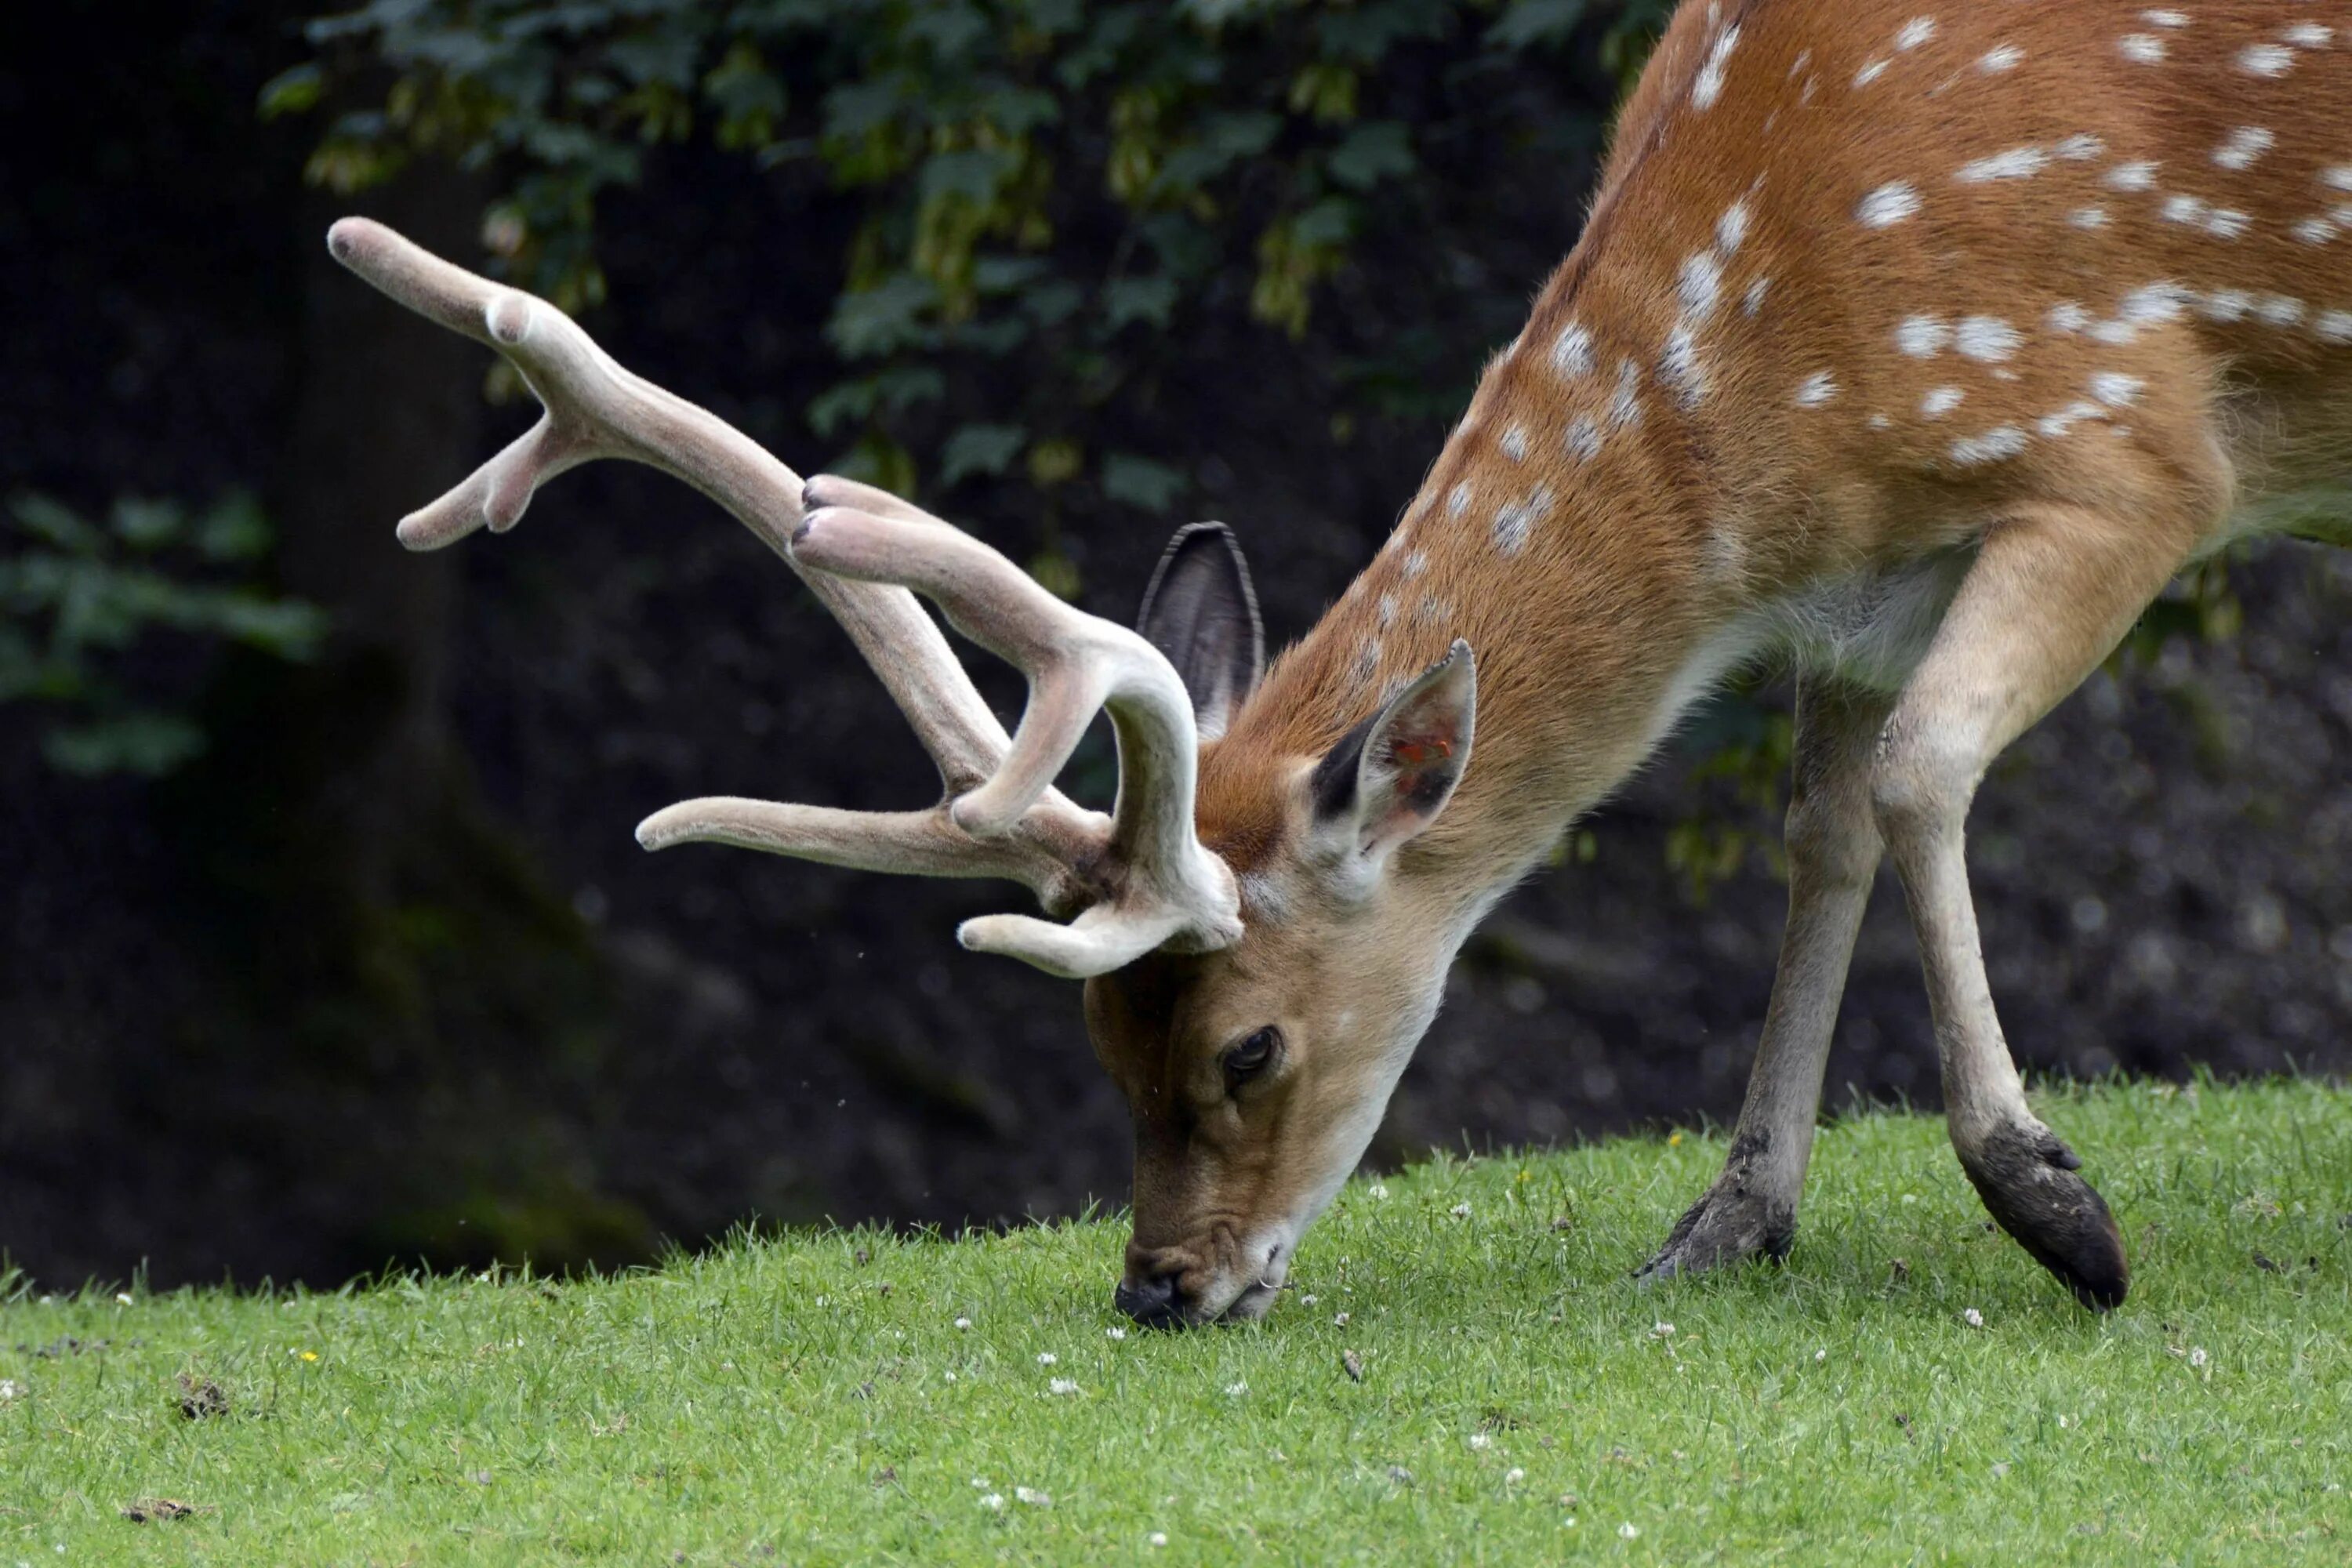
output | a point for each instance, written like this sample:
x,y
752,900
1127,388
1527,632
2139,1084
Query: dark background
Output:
x,y
381,975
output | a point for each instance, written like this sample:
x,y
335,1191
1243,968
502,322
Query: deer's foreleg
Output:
x,y
2051,591
1833,853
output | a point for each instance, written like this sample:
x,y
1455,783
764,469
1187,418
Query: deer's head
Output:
x,y
1261,942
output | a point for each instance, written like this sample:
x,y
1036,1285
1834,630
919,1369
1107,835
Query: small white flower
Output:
x,y
948,1375
1514,1475
1114,1333
123,1297
1306,1300
9,1389
993,1503
1046,1357
1568,1524
1340,1319
1910,1197
1380,1189
1819,1356
964,1322
1235,1390
1662,1330
980,1483
1629,1530
2064,1423
1157,1538
1973,1318
1034,1499
2197,1355
1482,1439
1063,1385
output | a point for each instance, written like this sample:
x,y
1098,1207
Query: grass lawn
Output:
x,y
1908,1389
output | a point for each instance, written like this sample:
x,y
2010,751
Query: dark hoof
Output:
x,y
1729,1223
2025,1174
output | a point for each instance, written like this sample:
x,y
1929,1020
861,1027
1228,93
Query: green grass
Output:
x,y
811,1399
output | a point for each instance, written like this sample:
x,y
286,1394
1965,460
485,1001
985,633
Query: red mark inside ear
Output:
x,y
1420,753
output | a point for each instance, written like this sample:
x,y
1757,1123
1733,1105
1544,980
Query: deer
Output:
x,y
1916,345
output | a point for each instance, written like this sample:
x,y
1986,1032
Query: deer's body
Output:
x,y
1921,342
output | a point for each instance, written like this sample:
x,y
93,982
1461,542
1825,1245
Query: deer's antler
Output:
x,y
1138,879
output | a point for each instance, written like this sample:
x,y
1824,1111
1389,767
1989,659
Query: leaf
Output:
x,y
52,520
1127,299
1371,154
980,449
1530,21
145,525
294,90
869,322
233,528
978,173
1140,482
147,743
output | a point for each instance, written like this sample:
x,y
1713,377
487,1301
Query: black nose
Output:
x,y
1154,1300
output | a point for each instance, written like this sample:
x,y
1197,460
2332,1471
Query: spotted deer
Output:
x,y
1919,346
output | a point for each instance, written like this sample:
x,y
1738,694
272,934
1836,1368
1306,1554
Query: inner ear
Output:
x,y
1200,612
1389,776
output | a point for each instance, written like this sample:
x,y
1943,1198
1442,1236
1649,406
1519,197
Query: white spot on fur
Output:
x,y
1922,337
2141,48
1755,301
1367,662
1731,227
2133,176
1914,32
1878,422
1572,352
1678,365
2053,426
2000,441
2308,35
2004,58
1432,611
2088,217
1413,564
1985,337
1702,280
2313,231
2116,389
2016,163
2153,303
2333,326
1816,389
1514,443
1458,500
1940,401
1870,73
2164,18
1625,402
2227,305
2240,147
2336,176
1708,85
1516,520
2079,148
2280,309
1584,438
2068,317
1386,611
2265,60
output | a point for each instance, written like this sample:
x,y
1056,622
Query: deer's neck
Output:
x,y
1595,529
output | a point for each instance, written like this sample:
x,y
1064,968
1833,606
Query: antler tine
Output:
x,y
594,408
1176,892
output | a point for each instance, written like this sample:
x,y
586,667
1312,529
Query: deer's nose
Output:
x,y
1152,1294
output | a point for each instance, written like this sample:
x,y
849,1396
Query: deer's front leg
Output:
x,y
1833,853
2051,591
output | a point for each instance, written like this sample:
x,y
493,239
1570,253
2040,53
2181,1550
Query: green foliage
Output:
x,y
84,603
1908,1389
1048,194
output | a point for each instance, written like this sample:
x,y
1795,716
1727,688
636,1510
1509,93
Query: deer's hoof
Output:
x,y
1731,1222
2025,1174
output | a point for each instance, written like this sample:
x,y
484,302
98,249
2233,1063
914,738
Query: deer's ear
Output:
x,y
1200,612
1391,776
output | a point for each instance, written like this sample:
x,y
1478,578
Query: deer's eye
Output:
x,y
1251,1056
